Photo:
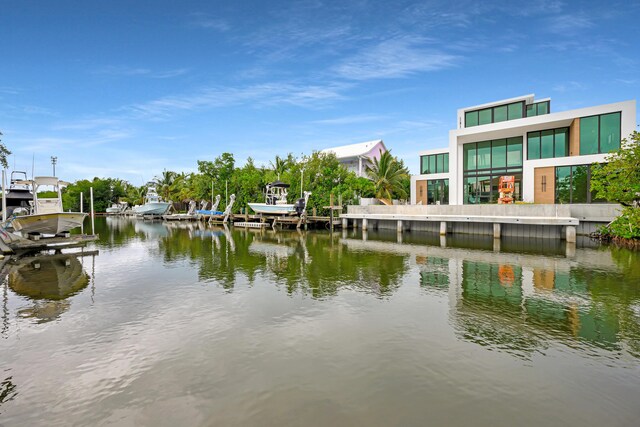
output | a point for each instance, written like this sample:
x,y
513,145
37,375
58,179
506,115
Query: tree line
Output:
x,y
320,173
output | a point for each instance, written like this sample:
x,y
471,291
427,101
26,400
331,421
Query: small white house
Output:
x,y
356,157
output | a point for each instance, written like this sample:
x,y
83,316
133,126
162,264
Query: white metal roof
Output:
x,y
354,150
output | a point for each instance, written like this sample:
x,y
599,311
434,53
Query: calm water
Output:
x,y
184,325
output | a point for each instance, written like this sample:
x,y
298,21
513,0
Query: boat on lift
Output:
x,y
18,195
276,201
117,208
46,215
153,204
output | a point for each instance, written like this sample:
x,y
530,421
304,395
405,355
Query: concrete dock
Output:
x,y
521,220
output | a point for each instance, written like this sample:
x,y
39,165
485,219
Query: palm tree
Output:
x,y
388,175
280,165
165,182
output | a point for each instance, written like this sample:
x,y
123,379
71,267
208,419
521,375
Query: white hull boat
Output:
x,y
49,223
153,208
282,209
153,205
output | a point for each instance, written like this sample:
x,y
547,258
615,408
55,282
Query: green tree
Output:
x,y
389,177
280,165
165,183
4,152
618,180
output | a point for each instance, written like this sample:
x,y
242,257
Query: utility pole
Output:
x,y
54,160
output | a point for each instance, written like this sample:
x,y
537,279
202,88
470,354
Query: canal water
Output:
x,y
183,324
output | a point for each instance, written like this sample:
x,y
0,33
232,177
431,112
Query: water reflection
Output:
x,y
47,281
520,302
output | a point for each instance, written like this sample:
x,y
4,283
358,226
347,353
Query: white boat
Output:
x,y
276,201
47,216
153,204
117,208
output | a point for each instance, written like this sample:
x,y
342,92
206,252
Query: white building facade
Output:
x,y
356,157
549,154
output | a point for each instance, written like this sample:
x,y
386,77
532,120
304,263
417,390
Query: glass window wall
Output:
x,y
547,144
573,185
438,192
499,113
484,163
434,163
600,134
538,108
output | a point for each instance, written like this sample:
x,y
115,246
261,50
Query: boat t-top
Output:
x,y
18,194
276,201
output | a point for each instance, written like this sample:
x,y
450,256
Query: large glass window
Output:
x,y
600,134
499,153
589,135
573,184
484,116
547,143
514,152
434,163
561,142
471,119
499,113
484,163
609,132
515,111
438,192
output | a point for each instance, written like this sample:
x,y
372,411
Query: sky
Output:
x,y
127,89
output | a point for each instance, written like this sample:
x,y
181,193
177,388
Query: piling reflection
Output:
x,y
47,281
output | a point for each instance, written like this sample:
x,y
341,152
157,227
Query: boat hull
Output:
x,y
264,208
154,208
49,223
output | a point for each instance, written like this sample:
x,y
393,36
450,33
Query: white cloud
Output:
x,y
203,20
394,58
259,95
568,24
569,86
123,70
347,120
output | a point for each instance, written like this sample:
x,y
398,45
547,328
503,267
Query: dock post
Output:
x,y
331,211
364,224
496,230
4,196
399,226
571,233
443,228
93,215
345,223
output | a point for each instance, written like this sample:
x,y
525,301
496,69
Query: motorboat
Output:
x,y
117,208
46,215
18,195
276,201
153,204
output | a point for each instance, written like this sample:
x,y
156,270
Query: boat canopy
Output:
x,y
43,180
278,184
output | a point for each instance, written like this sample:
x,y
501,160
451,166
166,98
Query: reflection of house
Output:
x,y
356,157
548,153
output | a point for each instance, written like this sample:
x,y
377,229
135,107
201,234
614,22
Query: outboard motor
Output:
x,y
300,205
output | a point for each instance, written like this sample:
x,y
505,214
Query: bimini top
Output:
x,y
44,180
279,184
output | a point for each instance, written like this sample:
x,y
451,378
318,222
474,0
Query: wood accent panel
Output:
x,y
421,191
545,185
574,138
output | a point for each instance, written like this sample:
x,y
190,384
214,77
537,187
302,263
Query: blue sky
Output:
x,y
129,88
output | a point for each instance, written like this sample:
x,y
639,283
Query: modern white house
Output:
x,y
549,154
356,157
